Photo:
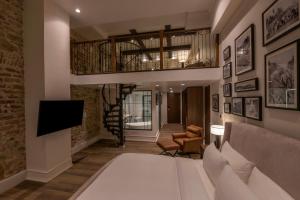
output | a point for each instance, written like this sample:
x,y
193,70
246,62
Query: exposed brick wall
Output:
x,y
12,120
91,120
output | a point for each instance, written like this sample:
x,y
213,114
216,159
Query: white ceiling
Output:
x,y
111,17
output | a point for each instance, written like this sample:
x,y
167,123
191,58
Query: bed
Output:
x,y
148,177
140,177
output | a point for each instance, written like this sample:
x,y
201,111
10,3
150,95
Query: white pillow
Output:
x,y
213,163
231,187
264,188
240,165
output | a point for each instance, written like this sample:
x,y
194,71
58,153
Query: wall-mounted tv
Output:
x,y
59,115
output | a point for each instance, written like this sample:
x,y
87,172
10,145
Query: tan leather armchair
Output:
x,y
191,140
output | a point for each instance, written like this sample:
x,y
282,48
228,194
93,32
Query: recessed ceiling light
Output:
x,y
77,10
157,85
171,91
182,84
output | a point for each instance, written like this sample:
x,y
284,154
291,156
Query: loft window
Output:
x,y
137,110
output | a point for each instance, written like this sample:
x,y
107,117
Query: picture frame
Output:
x,y
227,53
253,108
227,90
282,72
247,85
215,102
227,70
280,18
227,108
245,51
237,106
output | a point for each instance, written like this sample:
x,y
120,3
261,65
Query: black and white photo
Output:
x,y
227,90
227,53
246,86
281,17
253,108
282,77
215,102
237,106
227,108
244,51
227,70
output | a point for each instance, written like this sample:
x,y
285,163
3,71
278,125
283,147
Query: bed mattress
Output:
x,y
148,177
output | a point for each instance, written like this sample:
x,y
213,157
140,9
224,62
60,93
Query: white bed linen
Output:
x,y
148,177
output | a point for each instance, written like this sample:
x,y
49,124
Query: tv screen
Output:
x,y
59,115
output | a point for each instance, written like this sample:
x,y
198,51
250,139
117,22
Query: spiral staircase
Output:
x,y
113,96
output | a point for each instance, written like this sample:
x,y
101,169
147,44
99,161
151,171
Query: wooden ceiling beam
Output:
x,y
157,50
141,43
169,40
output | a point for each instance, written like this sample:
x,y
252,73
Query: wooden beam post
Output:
x,y
217,45
161,52
113,55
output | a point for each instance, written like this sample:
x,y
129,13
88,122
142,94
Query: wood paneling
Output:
x,y
207,115
173,103
195,106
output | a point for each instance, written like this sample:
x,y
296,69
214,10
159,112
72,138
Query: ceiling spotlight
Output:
x,y
171,91
157,85
182,84
173,36
77,10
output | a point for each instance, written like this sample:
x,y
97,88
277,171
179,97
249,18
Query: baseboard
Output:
x,y
12,181
85,144
46,176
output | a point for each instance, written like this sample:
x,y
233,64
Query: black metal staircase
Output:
x,y
113,96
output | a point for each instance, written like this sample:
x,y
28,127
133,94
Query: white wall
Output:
x,y
47,72
286,122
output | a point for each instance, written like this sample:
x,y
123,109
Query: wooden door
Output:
x,y
173,103
207,115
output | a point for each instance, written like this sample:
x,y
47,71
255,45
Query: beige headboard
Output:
x,y
276,155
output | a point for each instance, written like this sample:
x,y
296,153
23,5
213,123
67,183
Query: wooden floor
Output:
x,y
90,160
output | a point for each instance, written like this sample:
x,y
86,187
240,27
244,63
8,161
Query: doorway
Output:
x,y
173,104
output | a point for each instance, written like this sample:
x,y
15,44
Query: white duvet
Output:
x,y
149,177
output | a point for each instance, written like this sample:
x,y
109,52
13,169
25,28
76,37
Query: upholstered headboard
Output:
x,y
276,155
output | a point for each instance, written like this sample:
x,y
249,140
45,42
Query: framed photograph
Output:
x,y
227,90
227,53
215,102
282,77
245,86
253,108
227,108
244,51
227,70
281,17
238,106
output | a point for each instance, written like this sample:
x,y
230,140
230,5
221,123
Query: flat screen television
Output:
x,y
59,115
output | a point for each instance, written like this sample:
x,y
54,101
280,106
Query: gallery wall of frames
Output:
x,y
246,92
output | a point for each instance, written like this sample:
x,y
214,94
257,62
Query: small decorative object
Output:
x,y
227,53
215,102
227,70
227,108
253,108
245,86
280,18
244,51
238,106
218,131
227,90
282,77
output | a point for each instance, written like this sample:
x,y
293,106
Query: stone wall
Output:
x,y
91,120
12,120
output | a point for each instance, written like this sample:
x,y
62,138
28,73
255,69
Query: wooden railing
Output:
x,y
161,50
